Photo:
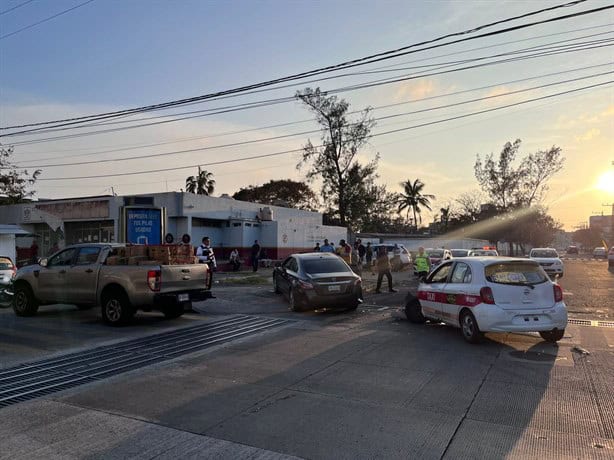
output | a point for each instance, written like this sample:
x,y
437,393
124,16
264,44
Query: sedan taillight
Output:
x,y
154,280
487,296
558,293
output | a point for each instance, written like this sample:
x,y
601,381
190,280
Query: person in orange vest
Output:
x,y
345,251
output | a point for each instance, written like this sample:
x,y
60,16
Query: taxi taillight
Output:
x,y
558,293
487,296
154,280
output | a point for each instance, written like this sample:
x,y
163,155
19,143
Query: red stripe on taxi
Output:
x,y
464,300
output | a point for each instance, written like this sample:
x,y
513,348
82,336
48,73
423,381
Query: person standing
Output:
x,y
383,269
205,255
255,255
327,247
317,248
345,252
422,263
235,261
362,252
369,255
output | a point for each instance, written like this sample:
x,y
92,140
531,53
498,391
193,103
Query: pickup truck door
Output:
x,y
81,278
52,285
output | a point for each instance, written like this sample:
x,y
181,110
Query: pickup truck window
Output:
x,y
63,258
88,256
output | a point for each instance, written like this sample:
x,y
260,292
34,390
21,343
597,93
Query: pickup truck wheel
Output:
x,y
24,302
116,309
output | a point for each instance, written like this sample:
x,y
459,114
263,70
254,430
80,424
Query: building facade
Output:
x,y
155,218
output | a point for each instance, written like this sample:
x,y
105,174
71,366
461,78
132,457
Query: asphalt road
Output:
x,y
364,384
589,289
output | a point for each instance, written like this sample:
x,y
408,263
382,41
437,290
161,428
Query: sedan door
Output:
x,y
82,277
285,277
457,293
431,293
52,285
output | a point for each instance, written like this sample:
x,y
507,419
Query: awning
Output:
x,y
7,229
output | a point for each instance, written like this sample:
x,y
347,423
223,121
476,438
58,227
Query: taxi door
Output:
x,y
431,293
455,293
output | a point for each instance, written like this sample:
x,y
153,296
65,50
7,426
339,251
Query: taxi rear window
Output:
x,y
515,273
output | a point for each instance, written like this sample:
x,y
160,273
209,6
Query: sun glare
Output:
x,y
605,183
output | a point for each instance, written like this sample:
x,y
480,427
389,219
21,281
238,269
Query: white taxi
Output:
x,y
491,294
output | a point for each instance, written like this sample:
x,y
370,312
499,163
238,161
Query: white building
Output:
x,y
150,218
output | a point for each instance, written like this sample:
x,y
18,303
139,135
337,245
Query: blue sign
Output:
x,y
143,226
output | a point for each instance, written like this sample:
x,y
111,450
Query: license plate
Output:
x,y
334,288
183,297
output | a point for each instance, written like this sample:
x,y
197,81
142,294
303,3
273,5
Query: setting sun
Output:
x,y
605,182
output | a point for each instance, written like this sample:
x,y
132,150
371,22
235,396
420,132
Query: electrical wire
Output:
x,y
15,7
334,91
390,54
2,37
268,155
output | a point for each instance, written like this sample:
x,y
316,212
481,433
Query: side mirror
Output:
x,y
42,262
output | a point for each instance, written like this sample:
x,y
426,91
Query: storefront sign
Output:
x,y
143,226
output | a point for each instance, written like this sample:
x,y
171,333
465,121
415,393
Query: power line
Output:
x,y
285,136
2,37
299,150
390,54
15,7
334,91
279,125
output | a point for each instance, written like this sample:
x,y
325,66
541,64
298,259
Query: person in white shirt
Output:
x,y
235,261
205,256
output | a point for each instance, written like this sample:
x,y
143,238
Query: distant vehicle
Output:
x,y
549,259
7,273
600,253
404,256
572,250
459,252
317,279
483,253
80,275
611,258
491,294
437,256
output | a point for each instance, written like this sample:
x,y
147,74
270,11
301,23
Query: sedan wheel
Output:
x,y
294,303
469,327
275,286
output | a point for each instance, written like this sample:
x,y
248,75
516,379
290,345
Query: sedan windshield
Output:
x,y
315,266
515,273
546,253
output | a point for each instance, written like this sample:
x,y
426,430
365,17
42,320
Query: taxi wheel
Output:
x,y
552,336
469,327
413,311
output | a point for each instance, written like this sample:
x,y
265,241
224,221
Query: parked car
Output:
x,y
483,253
491,294
404,259
572,250
549,259
600,253
436,256
7,273
459,252
611,258
80,275
317,279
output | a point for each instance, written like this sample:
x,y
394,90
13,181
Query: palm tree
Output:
x,y
412,198
445,217
201,184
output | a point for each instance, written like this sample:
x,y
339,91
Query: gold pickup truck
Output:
x,y
80,275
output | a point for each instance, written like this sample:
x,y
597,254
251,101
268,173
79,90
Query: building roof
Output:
x,y
7,229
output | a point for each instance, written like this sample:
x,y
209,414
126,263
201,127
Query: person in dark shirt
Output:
x,y
255,255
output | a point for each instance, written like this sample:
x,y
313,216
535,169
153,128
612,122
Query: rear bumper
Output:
x,y
169,299
331,301
492,318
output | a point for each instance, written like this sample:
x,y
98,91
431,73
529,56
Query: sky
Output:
x,y
110,55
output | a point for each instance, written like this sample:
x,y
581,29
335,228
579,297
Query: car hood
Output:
x,y
551,260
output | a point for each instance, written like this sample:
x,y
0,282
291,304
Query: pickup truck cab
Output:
x,y
79,275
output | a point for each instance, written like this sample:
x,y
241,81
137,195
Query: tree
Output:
x,y
201,184
510,186
334,162
445,218
412,198
588,237
284,192
14,182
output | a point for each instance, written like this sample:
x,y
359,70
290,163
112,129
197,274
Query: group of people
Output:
x,y
205,255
